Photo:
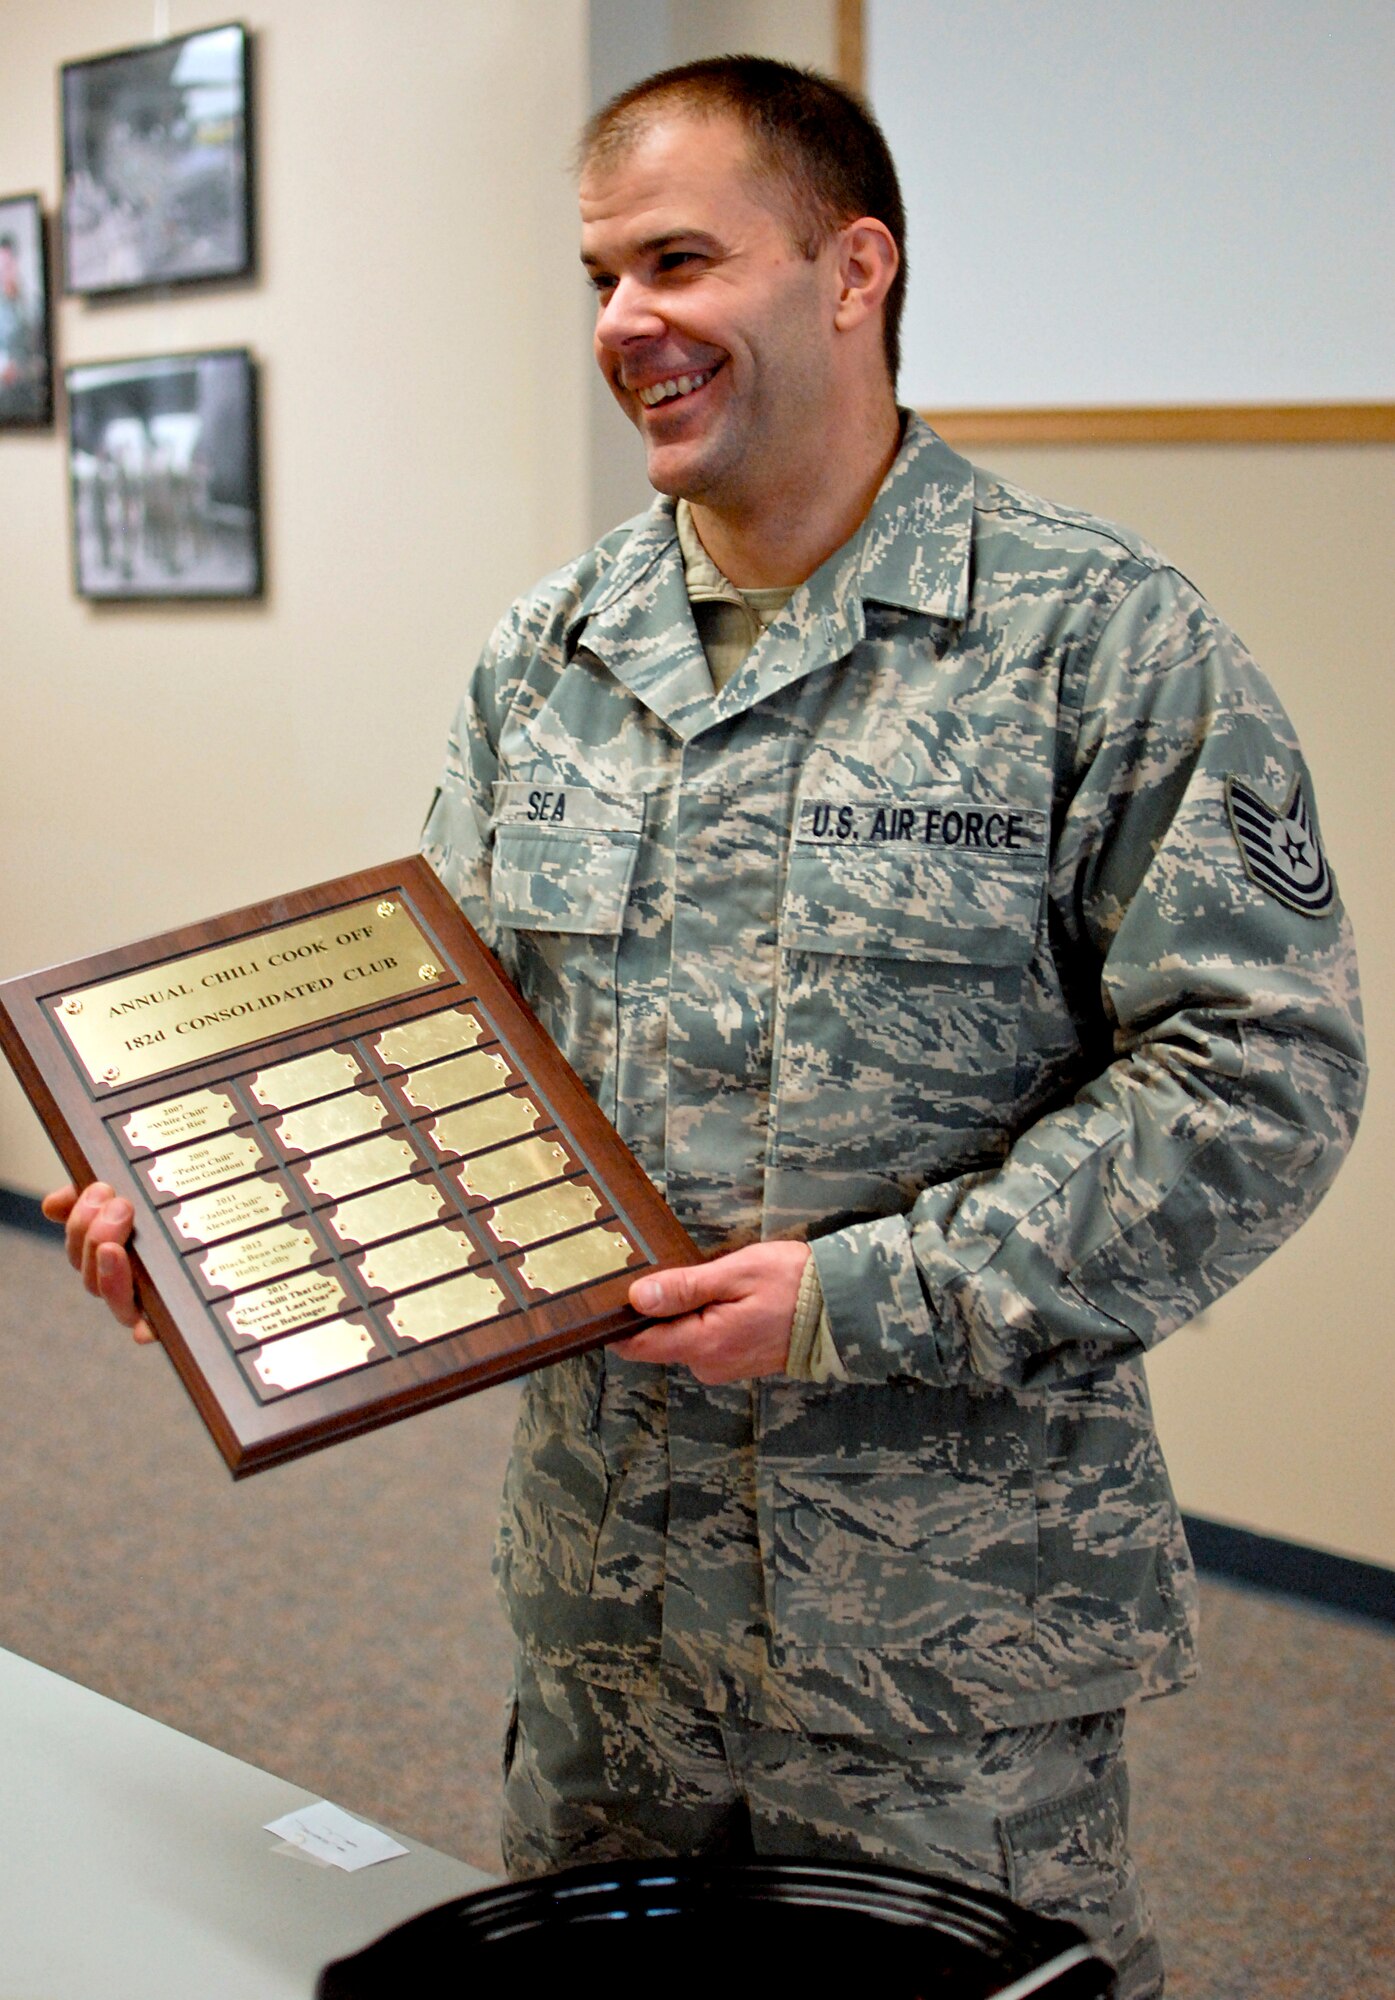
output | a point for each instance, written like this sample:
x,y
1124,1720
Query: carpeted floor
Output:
x,y
334,1621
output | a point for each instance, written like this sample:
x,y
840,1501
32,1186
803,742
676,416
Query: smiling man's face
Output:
x,y
713,329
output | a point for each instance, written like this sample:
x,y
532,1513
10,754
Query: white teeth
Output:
x,y
677,385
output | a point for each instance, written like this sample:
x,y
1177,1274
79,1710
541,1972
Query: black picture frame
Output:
x,y
164,461
26,334
157,164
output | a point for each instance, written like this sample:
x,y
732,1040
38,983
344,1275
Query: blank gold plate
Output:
x,y
476,1126
387,1212
360,1167
448,1308
513,1168
429,1036
413,1260
576,1260
331,1121
313,1356
474,1075
546,1213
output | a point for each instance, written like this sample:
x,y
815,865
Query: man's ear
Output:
x,y
868,261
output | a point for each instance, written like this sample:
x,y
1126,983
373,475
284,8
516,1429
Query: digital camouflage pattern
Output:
x,y
1038,1814
929,937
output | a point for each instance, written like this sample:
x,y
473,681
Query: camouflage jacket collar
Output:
x,y
912,553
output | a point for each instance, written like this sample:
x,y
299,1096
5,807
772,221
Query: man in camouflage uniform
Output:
x,y
973,927
928,886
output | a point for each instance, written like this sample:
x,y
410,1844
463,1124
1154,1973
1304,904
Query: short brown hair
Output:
x,y
817,139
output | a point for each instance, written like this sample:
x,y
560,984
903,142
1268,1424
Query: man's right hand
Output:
x,y
97,1226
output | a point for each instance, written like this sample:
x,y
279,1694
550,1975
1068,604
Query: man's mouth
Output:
x,y
675,386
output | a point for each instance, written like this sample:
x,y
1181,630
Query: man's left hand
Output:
x,y
727,1320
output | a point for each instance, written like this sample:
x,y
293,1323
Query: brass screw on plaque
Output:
x,y
72,1006
111,1075
428,972
386,909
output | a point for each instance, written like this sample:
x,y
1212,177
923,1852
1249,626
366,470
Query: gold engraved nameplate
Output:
x,y
576,1260
413,1260
210,1217
386,1213
251,1260
210,1002
156,1126
225,1159
313,1356
512,1168
360,1167
289,1303
449,1308
453,1082
331,1121
476,1126
430,1036
345,1138
309,1076
546,1213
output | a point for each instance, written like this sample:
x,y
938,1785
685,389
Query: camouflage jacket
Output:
x,y
977,931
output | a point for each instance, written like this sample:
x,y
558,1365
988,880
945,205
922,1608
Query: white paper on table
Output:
x,y
327,1833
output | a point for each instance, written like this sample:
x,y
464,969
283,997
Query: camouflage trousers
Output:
x,y
1039,1814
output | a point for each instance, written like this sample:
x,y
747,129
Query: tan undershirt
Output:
x,y
729,622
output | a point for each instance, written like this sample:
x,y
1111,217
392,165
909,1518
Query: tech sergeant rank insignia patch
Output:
x,y
1281,850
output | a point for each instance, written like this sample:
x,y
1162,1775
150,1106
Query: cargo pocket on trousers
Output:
x,y
1070,1857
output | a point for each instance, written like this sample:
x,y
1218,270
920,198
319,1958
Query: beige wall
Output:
x,y
1275,1408
419,322
427,446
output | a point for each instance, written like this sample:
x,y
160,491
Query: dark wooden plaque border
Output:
x,y
252,1433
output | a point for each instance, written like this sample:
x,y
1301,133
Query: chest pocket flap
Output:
x,y
564,857
924,878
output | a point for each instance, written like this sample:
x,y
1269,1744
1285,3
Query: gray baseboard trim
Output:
x,y
22,1211
1361,1589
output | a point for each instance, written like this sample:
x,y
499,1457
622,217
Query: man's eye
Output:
x,y
673,259
600,282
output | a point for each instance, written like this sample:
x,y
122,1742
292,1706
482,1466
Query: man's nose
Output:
x,y
629,313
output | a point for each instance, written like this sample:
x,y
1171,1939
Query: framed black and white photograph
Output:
x,y
164,464
157,186
26,361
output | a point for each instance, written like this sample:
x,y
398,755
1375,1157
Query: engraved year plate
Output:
x,y
205,1165
364,1180
250,1260
209,1217
156,1126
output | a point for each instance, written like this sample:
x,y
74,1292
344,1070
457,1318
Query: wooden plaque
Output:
x,y
365,1180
